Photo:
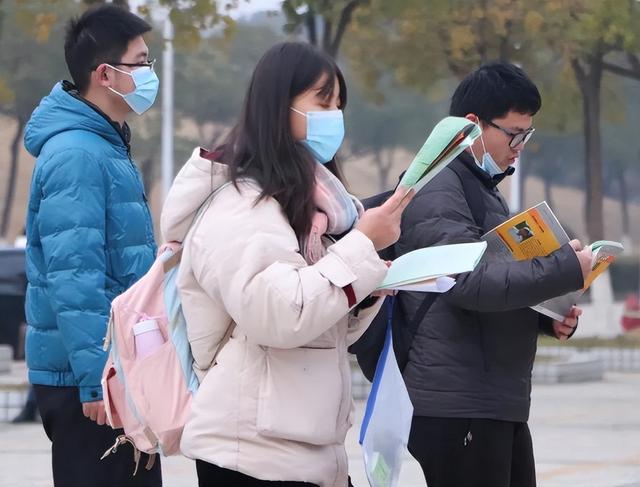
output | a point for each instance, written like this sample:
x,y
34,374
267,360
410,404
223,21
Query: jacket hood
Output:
x,y
197,179
62,110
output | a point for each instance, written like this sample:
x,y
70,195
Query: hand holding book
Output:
x,y
565,328
537,232
585,257
382,224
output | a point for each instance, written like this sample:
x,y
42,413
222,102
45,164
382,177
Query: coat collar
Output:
x,y
489,181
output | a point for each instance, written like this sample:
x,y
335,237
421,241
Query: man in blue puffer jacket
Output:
x,y
90,237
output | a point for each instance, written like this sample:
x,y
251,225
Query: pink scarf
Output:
x,y
336,213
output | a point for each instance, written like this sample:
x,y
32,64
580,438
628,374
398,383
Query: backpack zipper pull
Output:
x,y
136,459
468,438
120,440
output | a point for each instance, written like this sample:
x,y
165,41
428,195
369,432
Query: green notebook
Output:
x,y
446,141
432,262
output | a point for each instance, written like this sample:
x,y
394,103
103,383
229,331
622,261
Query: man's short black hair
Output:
x,y
494,90
100,35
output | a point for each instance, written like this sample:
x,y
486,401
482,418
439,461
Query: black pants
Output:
x,y
473,452
77,443
210,475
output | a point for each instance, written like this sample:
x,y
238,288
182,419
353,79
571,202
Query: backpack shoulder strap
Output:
x,y
472,192
478,207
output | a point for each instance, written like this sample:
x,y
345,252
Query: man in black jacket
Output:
x,y
469,368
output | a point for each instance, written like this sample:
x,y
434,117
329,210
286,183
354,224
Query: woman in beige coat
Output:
x,y
283,260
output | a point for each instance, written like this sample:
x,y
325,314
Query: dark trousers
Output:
x,y
210,475
473,452
77,443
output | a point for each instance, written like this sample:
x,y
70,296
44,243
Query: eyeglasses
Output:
x,y
517,138
148,64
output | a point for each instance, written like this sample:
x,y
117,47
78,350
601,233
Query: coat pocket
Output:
x,y
164,408
300,395
112,393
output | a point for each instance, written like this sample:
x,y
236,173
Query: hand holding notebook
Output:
x,y
430,269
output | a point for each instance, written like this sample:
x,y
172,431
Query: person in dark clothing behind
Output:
x,y
469,368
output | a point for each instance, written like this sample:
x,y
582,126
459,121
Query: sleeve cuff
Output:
x,y
546,325
90,393
353,260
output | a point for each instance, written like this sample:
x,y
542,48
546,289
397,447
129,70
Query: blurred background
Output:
x,y
402,60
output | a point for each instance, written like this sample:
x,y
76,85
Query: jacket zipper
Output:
x,y
141,187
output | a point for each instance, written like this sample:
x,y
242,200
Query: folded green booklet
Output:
x,y
446,141
430,263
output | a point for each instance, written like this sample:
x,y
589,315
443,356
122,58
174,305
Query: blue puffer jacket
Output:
x,y
90,237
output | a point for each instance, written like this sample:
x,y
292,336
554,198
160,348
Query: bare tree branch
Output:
x,y
634,61
621,71
326,36
345,19
310,22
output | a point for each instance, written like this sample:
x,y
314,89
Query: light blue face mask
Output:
x,y
146,89
325,133
488,164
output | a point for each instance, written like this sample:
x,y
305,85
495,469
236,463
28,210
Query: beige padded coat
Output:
x,y
277,403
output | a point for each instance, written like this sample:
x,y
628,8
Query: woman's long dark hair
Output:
x,y
261,145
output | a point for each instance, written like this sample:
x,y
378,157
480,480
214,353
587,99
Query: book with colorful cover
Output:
x,y
537,232
446,141
604,253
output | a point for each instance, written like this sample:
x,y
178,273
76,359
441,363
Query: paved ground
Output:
x,y
584,435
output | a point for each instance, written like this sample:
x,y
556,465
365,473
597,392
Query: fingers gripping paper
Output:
x,y
423,267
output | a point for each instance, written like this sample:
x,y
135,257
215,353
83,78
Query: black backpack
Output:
x,y
403,328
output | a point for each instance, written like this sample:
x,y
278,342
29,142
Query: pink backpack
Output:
x,y
148,381
148,391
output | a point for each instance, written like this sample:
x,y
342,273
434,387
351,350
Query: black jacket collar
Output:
x,y
489,181
123,130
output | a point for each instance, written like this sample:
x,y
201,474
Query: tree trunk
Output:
x,y
384,168
624,203
483,38
589,83
327,35
310,24
343,23
11,180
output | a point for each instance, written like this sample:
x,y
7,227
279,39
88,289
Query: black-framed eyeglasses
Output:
x,y
148,64
517,138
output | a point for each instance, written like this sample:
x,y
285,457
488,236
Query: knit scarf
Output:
x,y
336,213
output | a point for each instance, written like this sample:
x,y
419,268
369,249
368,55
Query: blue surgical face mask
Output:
x,y
146,89
488,164
325,133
